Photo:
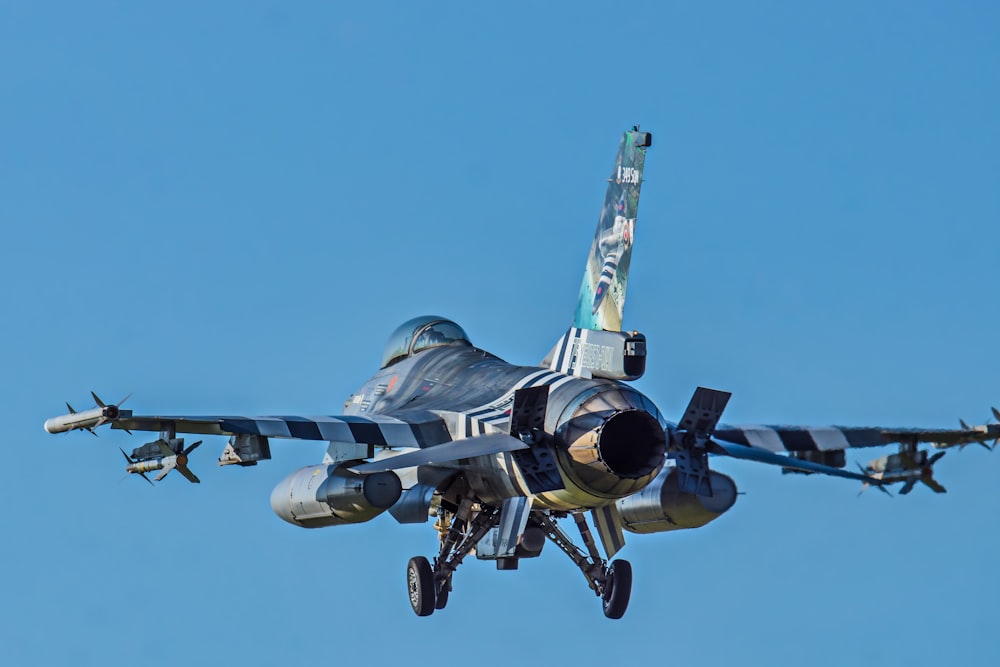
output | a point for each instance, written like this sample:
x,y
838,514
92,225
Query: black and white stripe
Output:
x,y
604,281
802,438
567,360
608,522
378,430
513,520
496,414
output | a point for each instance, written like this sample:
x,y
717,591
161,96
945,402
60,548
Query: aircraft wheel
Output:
x,y
618,589
442,595
420,584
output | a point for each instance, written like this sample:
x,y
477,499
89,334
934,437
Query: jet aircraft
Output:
x,y
500,454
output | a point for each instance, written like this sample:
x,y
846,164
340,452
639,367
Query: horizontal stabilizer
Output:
x,y
467,448
763,456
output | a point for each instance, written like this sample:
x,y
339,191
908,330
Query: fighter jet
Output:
x,y
501,455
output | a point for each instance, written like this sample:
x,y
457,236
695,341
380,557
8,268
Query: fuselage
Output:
x,y
607,438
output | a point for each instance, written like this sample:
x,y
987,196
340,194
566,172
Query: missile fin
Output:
x,y
933,484
168,466
191,477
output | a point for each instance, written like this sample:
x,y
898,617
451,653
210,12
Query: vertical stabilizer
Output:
x,y
602,294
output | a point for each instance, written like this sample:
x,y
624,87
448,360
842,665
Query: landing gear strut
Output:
x,y
460,531
430,585
612,582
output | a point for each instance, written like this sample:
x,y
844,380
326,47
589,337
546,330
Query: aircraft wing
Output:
x,y
750,453
422,429
829,438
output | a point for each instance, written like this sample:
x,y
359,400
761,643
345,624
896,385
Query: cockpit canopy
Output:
x,y
419,334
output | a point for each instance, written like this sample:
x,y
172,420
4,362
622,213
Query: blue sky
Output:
x,y
227,209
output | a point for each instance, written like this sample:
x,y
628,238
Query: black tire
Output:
x,y
442,595
420,586
618,589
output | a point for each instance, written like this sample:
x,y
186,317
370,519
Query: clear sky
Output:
x,y
227,207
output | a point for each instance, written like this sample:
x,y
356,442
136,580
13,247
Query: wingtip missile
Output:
x,y
75,420
87,420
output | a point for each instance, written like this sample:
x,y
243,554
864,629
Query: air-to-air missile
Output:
x,y
908,467
166,459
88,419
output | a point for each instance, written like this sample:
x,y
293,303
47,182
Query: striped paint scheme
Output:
x,y
604,281
495,415
566,360
513,520
608,522
805,438
373,429
377,430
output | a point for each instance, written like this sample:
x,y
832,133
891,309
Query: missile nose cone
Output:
x,y
55,425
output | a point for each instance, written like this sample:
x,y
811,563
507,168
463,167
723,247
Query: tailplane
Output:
x,y
602,293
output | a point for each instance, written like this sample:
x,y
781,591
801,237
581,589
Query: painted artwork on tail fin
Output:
x,y
602,293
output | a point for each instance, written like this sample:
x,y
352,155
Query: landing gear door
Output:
x,y
502,540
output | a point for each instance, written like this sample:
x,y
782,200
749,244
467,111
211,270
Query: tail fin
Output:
x,y
602,294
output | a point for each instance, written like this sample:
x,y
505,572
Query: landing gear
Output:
x,y
617,588
420,582
610,582
443,589
460,531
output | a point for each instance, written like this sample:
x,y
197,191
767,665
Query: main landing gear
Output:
x,y
430,585
612,582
